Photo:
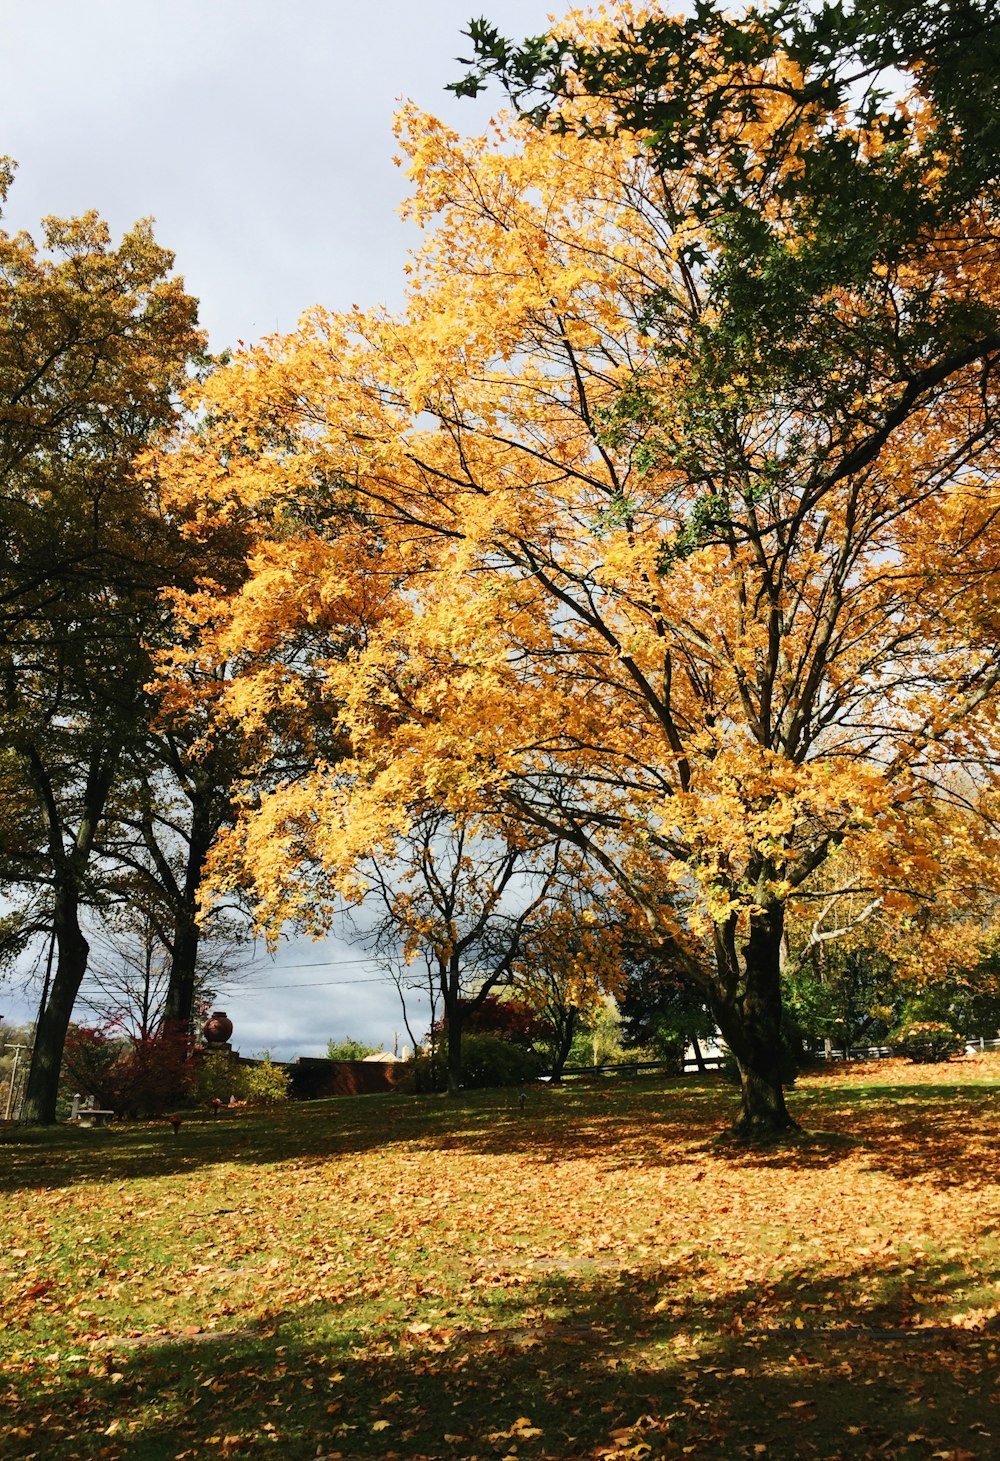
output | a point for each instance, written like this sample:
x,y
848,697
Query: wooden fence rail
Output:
x,y
713,1062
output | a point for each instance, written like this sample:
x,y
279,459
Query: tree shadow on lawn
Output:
x,y
943,1135
585,1364
946,1135
57,1156
553,1126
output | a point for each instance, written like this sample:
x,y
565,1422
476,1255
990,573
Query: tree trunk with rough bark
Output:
x,y
564,1042
42,1088
69,867
454,1064
178,1013
178,1008
750,1021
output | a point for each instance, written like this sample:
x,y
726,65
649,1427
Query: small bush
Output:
x,y
90,1058
266,1084
130,1077
221,1078
487,1060
926,1041
349,1049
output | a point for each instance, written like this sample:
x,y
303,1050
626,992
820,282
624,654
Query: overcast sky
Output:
x,y
259,138
257,134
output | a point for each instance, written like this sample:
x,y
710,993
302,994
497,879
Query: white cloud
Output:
x,y
315,992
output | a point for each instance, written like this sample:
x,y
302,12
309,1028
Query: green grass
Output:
x,y
411,1277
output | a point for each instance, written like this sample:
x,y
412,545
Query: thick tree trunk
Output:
x,y
764,1112
751,1026
564,1043
178,1013
42,1088
178,1009
68,868
454,1051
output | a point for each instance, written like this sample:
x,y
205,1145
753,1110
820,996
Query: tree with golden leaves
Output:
x,y
569,961
702,603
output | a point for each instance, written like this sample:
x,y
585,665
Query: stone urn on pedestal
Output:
x,y
217,1030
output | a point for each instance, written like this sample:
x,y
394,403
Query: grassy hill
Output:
x,y
593,1277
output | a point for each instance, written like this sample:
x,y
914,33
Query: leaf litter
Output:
x,y
408,1277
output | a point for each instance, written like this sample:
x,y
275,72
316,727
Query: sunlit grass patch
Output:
x,y
589,1277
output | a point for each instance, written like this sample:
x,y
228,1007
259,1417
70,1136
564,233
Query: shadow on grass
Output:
x,y
554,1125
554,1365
943,1134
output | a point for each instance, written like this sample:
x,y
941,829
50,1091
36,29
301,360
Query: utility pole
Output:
x,y
13,1079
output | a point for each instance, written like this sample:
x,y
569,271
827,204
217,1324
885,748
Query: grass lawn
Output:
x,y
592,1277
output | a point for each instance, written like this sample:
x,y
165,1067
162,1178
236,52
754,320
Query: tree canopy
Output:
x,y
665,524
658,528
95,342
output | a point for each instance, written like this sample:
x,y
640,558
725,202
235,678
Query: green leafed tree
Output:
x,y
662,1013
95,341
349,1049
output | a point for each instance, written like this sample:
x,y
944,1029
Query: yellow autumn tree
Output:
x,y
569,961
702,605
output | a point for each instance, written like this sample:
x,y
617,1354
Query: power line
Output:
x,y
311,964
311,984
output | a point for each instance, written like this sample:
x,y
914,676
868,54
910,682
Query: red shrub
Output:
x,y
132,1077
509,1019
